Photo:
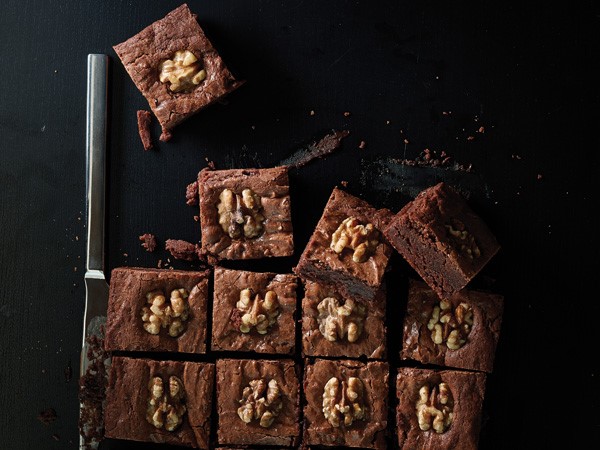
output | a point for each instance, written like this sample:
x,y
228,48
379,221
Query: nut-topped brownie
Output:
x,y
176,67
245,213
346,403
347,249
254,311
459,331
337,326
258,402
442,238
439,409
159,401
157,310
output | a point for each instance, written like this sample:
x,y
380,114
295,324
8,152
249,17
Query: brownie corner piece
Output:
x,y
347,248
329,386
175,67
245,213
258,402
460,331
442,238
453,398
166,402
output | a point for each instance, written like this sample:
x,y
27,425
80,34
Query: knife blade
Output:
x,y
96,287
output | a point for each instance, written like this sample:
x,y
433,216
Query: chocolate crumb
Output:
x,y
183,250
196,218
346,113
470,138
344,183
148,242
144,120
165,136
47,416
430,158
481,130
191,194
406,141
362,144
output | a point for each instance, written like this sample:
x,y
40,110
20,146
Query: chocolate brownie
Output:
x,y
347,249
460,331
157,310
254,311
360,389
258,402
176,68
439,409
159,401
441,237
144,120
334,326
245,213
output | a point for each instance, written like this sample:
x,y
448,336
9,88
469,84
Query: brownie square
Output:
x,y
152,55
139,388
441,237
245,213
178,322
254,311
465,327
454,397
336,326
258,402
347,249
328,385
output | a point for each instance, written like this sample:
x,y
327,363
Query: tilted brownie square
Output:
x,y
258,402
175,67
337,326
254,311
157,310
460,331
442,238
347,249
346,403
159,401
439,409
245,213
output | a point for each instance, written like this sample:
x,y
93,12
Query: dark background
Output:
x,y
432,73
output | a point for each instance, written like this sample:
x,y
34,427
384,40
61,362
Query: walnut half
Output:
x,y
260,401
343,403
340,321
160,313
450,326
241,216
166,407
362,239
257,313
182,72
434,408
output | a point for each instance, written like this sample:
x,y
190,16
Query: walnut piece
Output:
x,y
362,239
434,408
240,215
258,313
260,401
450,326
343,403
340,321
463,240
166,407
170,314
182,72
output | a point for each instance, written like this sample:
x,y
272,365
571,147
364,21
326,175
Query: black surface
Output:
x,y
437,72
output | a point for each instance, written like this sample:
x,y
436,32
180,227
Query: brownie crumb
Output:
x,y
165,136
362,144
183,250
148,242
47,416
344,183
144,120
430,158
191,194
56,437
346,113
323,147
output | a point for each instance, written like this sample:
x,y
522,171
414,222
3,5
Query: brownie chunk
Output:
x,y
180,249
254,311
191,194
157,310
258,402
335,326
176,68
144,119
347,249
159,401
245,213
442,239
460,331
148,241
454,398
328,385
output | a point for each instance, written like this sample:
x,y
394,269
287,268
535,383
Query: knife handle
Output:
x,y
96,128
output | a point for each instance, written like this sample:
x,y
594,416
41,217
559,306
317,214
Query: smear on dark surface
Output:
x,y
47,416
323,147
